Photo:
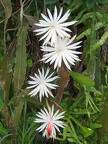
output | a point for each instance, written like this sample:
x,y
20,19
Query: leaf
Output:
x,y
82,79
90,4
103,1
18,110
95,125
71,140
86,16
7,8
90,103
87,131
2,129
20,66
100,42
1,104
87,32
72,129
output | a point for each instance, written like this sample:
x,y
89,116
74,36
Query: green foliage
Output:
x,y
82,79
85,100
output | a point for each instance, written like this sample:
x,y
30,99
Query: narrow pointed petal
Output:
x,y
42,84
53,25
64,51
50,121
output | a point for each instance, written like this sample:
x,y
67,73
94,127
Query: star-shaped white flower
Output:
x,y
50,121
51,26
42,83
63,51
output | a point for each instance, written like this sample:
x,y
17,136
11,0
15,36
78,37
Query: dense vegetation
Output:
x,y
85,91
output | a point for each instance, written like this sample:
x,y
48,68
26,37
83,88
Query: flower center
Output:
x,y
42,81
53,25
58,49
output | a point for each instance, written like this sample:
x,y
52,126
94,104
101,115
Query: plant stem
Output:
x,y
104,119
63,81
5,78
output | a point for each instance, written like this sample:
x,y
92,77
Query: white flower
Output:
x,y
42,83
50,121
52,26
64,50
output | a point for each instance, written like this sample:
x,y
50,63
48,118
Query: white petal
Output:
x,y
50,15
31,86
41,128
68,23
65,17
65,34
55,13
48,115
66,29
44,17
66,63
45,35
60,13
